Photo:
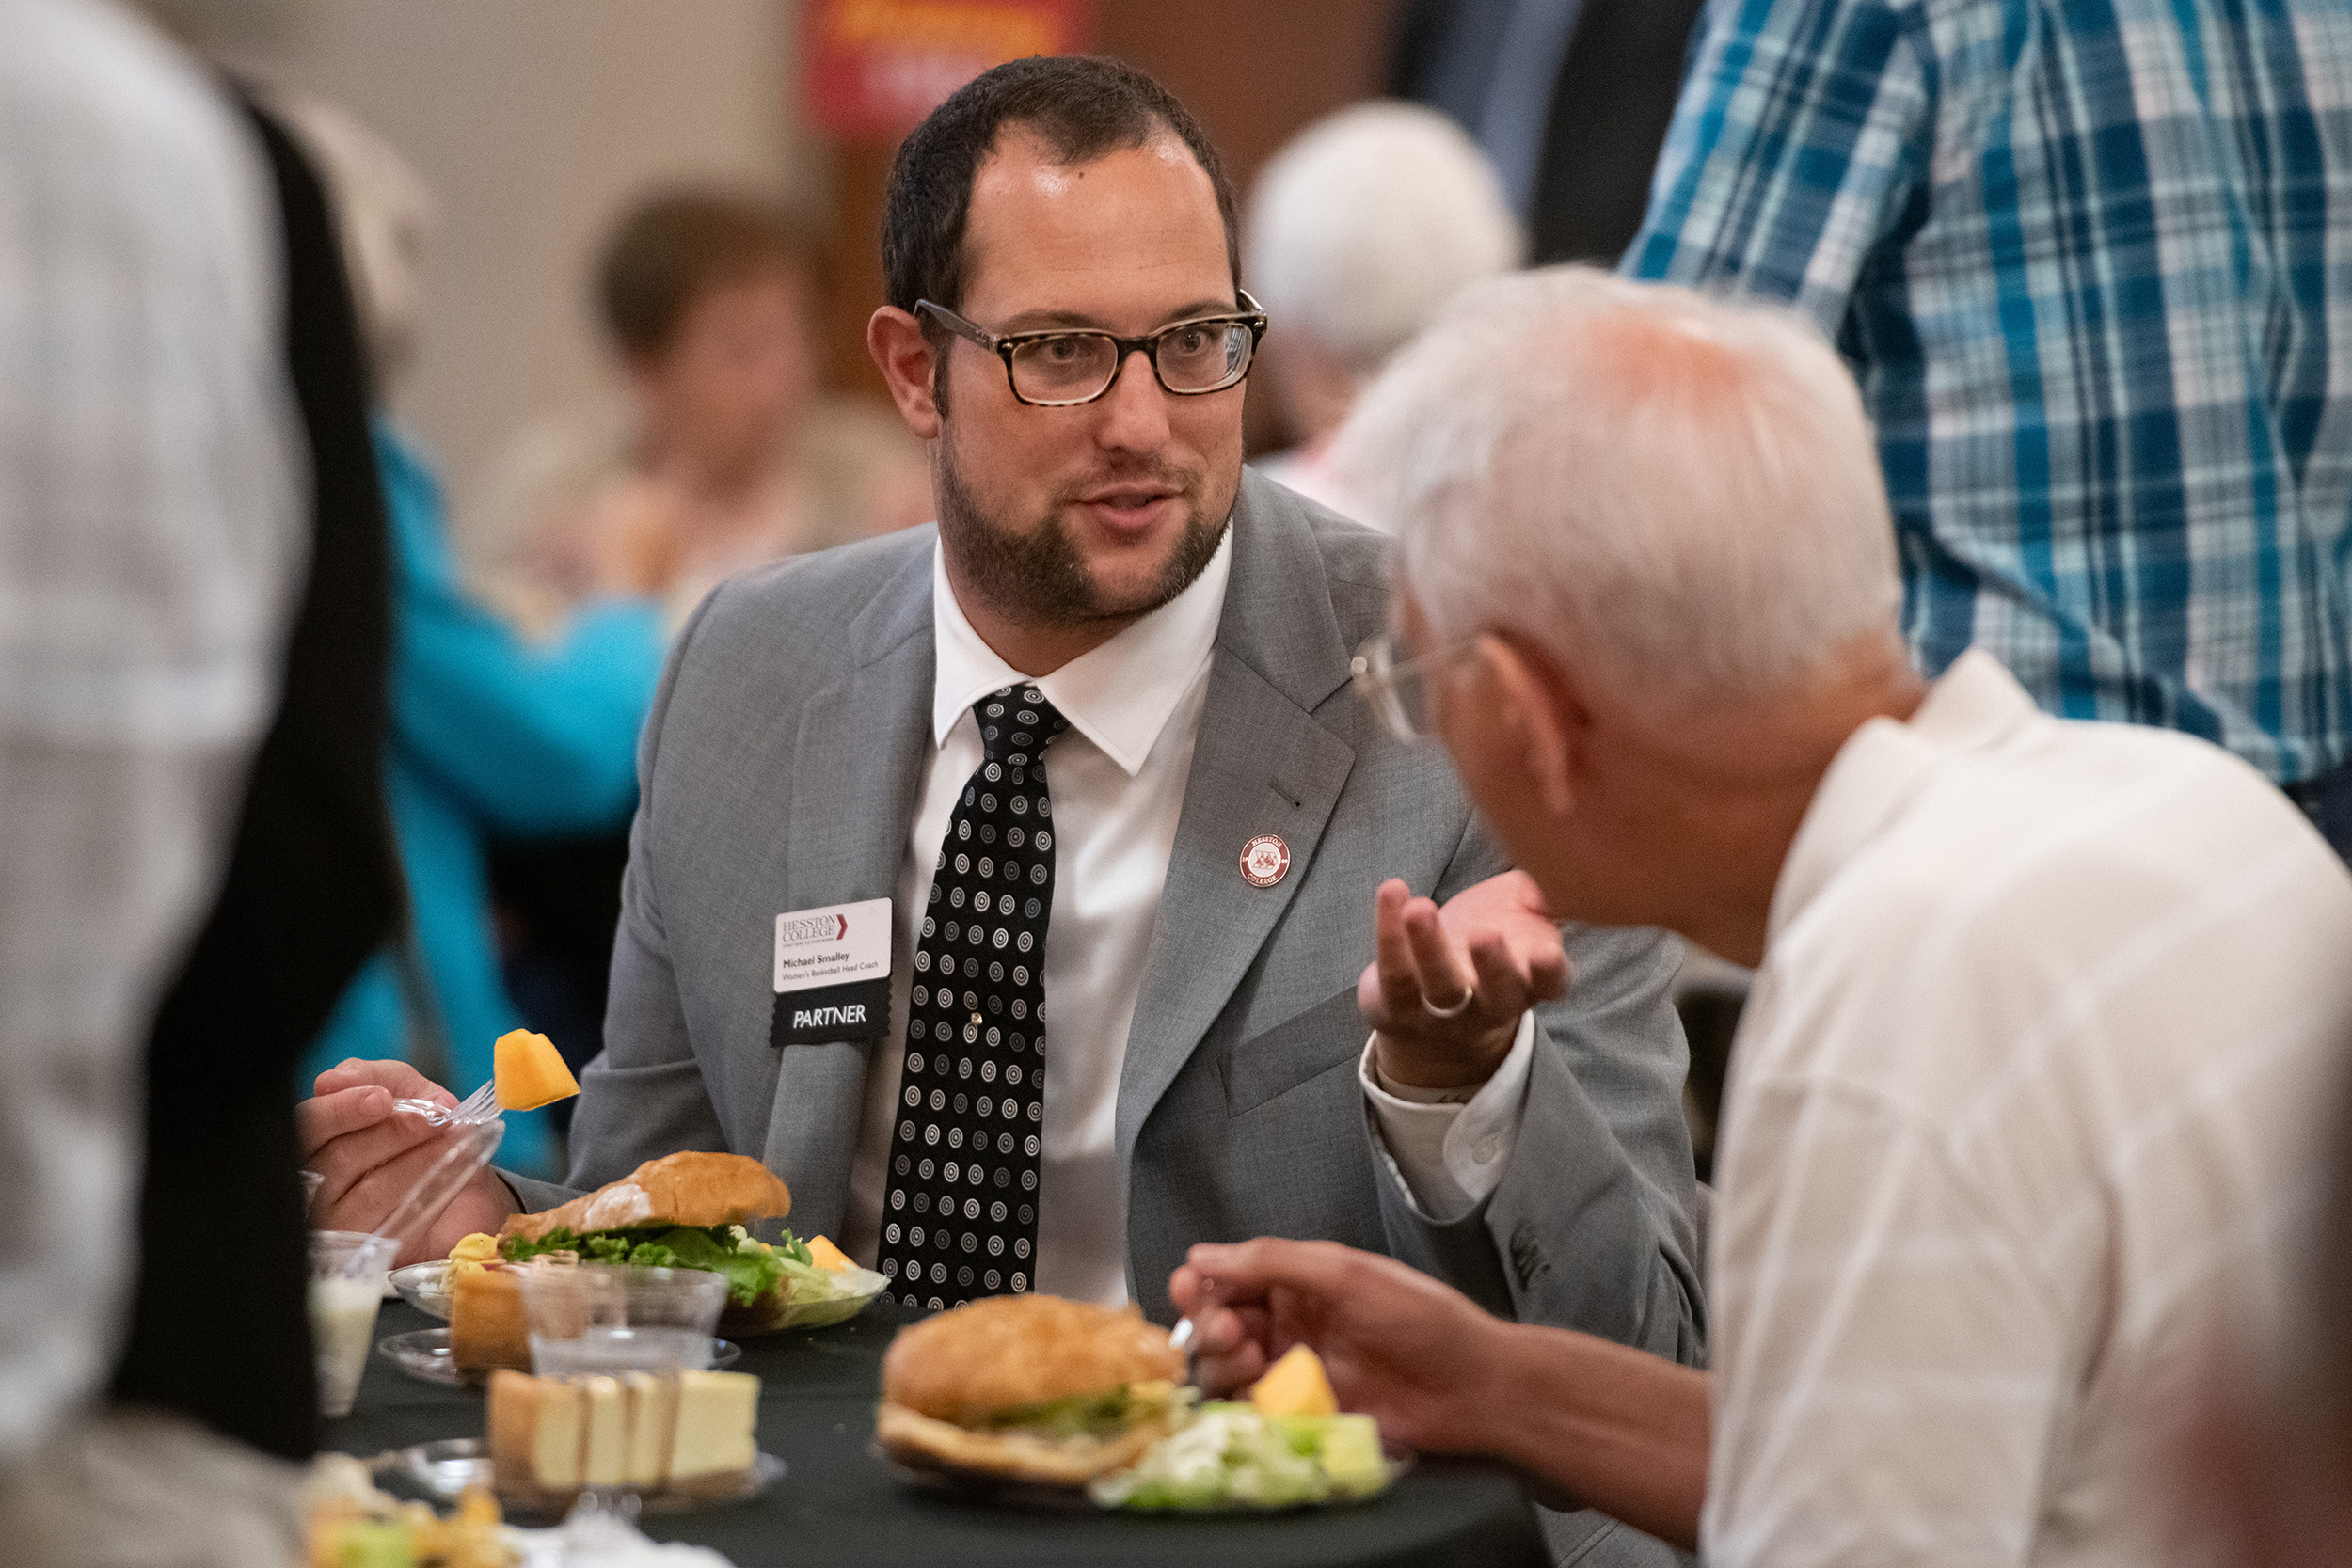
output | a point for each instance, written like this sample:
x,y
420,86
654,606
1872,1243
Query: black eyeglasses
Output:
x,y
1063,365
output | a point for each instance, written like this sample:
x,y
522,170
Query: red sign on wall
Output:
x,y
875,67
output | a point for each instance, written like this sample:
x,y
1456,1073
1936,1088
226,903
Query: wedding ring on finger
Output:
x,y
1455,1012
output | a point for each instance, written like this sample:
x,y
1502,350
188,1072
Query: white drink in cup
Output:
x,y
608,1318
347,1274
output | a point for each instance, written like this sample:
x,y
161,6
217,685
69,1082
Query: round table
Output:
x,y
838,1503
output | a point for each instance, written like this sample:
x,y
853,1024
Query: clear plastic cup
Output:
x,y
607,1317
347,1274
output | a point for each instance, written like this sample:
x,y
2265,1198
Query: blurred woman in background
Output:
x,y
729,456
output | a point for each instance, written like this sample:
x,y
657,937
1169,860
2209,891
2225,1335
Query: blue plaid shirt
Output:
x,y
2084,260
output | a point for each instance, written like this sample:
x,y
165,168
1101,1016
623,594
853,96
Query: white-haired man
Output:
x,y
1359,231
2018,1104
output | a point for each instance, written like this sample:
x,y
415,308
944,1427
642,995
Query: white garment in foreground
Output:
x,y
2016,1118
1118,780
148,547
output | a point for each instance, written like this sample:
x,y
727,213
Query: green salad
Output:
x,y
1106,1415
1230,1456
753,1267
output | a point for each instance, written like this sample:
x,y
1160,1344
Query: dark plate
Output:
x,y
975,1486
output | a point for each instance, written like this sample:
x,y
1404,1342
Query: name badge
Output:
x,y
832,973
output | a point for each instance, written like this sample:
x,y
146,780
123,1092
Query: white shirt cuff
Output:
x,y
1450,1154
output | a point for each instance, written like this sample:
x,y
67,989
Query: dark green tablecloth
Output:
x,y
838,1505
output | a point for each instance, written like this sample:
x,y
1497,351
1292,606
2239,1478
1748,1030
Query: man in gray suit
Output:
x,y
1107,700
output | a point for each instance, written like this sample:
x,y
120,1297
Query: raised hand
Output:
x,y
1448,984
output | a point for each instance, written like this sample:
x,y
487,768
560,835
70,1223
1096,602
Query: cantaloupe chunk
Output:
x,y
828,1257
531,1072
1294,1386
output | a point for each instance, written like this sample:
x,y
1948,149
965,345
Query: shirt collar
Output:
x,y
1883,764
1120,695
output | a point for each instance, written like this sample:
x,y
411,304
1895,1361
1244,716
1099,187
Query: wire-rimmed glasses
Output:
x,y
1061,366
1398,688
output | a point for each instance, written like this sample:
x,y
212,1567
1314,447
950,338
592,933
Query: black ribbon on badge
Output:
x,y
859,1010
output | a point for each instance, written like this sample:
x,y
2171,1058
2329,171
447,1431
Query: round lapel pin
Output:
x,y
1265,860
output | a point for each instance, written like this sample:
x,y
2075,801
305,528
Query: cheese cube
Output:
x,y
652,1423
605,1463
828,1257
535,1430
639,1429
717,1414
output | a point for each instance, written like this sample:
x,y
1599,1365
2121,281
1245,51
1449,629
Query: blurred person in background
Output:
x,y
2022,1105
490,732
1360,230
729,457
1569,97
151,539
2087,262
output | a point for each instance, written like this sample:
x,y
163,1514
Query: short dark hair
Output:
x,y
1080,105
677,246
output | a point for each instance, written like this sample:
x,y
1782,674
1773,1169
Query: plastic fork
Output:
x,y
1180,1338
468,1151
476,1108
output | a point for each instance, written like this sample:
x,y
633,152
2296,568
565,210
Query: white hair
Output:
x,y
1367,222
1683,491
384,217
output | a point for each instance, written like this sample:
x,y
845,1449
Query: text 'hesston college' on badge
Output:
x,y
1265,860
832,973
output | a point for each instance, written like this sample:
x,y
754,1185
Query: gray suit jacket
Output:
x,y
779,771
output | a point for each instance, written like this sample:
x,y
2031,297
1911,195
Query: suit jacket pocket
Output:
x,y
1305,1046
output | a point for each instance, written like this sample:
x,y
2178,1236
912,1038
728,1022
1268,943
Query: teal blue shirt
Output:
x,y
490,734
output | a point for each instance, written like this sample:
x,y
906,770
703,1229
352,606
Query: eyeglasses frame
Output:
x,y
1004,344
1378,676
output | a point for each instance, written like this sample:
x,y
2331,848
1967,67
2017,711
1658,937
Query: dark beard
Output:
x,y
1040,579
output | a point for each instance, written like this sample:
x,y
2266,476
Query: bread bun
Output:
x,y
693,1188
923,1443
1002,1353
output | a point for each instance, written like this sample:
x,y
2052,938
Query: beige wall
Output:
x,y
533,121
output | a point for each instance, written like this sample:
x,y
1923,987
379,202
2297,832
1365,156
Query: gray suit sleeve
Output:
x,y
642,1095
1593,1225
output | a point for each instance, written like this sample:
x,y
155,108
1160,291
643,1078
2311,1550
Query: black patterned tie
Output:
x,y
961,1219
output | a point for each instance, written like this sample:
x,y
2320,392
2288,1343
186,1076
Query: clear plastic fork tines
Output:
x,y
480,1106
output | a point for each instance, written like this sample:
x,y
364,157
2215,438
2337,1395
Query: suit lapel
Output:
x,y
858,767
1261,765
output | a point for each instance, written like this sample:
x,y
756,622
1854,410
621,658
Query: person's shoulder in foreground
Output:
x,y
2025,1069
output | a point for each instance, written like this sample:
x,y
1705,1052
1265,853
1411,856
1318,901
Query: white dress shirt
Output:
x,y
2016,1119
1118,780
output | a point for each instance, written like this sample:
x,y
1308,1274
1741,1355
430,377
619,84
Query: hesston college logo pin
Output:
x,y
1263,861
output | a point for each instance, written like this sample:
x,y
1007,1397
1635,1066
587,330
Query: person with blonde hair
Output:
x,y
2018,1109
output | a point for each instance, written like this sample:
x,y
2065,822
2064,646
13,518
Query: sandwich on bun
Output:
x,y
683,1212
1029,1387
